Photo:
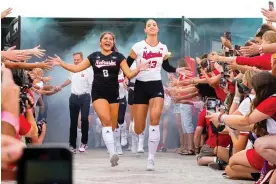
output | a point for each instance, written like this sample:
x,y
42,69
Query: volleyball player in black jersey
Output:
x,y
105,94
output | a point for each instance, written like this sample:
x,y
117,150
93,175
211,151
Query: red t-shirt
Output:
x,y
268,107
262,62
25,126
223,139
181,77
219,92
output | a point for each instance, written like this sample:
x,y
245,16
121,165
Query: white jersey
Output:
x,y
122,90
152,55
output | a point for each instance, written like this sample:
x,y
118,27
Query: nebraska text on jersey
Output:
x,y
103,63
149,55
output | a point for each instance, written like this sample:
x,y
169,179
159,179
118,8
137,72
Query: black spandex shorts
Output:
x,y
110,94
144,91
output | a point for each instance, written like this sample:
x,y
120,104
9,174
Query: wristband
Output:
x,y
219,118
11,119
222,119
28,110
261,50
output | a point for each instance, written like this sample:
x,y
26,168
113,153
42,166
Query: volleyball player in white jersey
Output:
x,y
148,90
137,144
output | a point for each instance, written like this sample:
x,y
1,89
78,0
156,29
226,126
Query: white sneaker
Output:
x,y
134,144
82,148
140,148
124,138
118,150
150,165
114,160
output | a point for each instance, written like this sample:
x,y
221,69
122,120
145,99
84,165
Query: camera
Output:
x,y
198,71
237,47
241,87
23,98
212,104
225,75
206,64
231,53
40,124
223,82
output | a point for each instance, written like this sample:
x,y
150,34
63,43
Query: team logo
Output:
x,y
104,63
149,55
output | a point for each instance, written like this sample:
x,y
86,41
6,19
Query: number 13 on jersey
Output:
x,y
152,64
105,73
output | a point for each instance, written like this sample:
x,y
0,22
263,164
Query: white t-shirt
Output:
x,y
122,90
152,55
81,82
245,105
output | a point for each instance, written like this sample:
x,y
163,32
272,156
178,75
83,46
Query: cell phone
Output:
x,y
231,53
227,54
211,105
271,6
237,47
227,35
223,82
45,165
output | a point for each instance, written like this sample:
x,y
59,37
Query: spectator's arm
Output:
x,y
7,129
262,61
66,83
269,48
212,81
197,137
48,87
244,68
26,66
31,120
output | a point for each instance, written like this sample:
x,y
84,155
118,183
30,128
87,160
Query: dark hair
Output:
x,y
148,21
264,28
264,84
205,90
248,42
114,48
204,56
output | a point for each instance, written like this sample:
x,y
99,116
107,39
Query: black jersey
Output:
x,y
106,69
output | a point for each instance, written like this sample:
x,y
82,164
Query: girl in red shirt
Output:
x,y
263,113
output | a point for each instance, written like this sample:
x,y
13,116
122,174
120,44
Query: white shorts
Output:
x,y
187,118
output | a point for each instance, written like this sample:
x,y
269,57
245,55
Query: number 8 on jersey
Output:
x,y
105,73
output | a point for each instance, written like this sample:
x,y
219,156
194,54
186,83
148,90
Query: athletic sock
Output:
x,y
154,138
108,138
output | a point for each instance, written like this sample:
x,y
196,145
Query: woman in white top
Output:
x,y
148,91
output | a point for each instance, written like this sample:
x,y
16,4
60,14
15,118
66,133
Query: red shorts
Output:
x,y
254,159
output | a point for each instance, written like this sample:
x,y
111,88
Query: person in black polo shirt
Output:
x,y
79,101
